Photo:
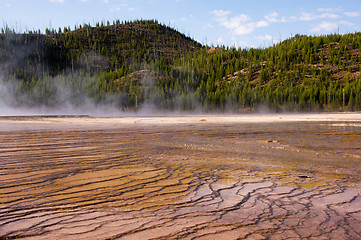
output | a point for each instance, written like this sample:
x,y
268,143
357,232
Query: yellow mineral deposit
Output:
x,y
187,177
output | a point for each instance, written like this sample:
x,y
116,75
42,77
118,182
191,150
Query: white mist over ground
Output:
x,y
84,105
68,100
88,108
66,94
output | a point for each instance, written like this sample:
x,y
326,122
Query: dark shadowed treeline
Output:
x,y
129,64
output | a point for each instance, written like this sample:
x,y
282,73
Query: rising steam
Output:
x,y
78,91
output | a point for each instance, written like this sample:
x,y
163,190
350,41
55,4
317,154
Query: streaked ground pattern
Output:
x,y
90,178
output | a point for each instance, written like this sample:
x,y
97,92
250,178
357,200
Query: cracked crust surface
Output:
x,y
149,178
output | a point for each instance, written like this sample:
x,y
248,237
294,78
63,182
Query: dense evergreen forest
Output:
x,y
143,62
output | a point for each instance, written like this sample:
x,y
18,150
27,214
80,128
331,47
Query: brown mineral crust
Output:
x,y
198,177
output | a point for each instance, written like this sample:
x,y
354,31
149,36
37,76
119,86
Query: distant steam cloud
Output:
x,y
65,99
36,91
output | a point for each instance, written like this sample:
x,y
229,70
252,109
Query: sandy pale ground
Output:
x,y
37,122
181,177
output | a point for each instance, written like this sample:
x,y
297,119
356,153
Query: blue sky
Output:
x,y
252,23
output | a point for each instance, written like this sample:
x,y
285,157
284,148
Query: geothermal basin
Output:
x,y
181,177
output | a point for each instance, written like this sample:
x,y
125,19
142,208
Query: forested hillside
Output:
x,y
129,64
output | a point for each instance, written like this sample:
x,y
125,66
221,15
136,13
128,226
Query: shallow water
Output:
x,y
161,178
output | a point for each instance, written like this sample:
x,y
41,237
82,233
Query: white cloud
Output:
x,y
352,14
239,24
324,9
347,23
244,29
122,7
117,8
272,17
266,37
328,9
58,1
220,13
325,27
242,24
262,23
307,16
329,15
